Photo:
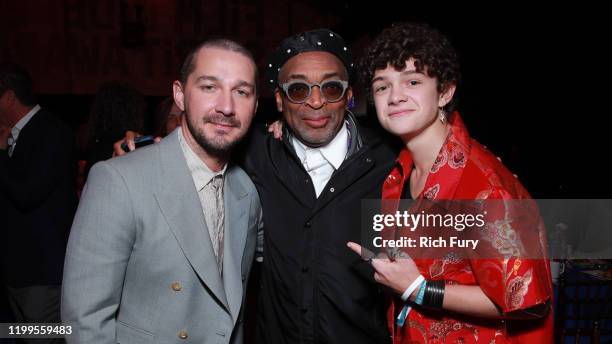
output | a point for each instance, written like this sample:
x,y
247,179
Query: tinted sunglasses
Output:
x,y
298,91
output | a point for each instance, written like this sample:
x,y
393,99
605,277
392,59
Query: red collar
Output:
x,y
446,171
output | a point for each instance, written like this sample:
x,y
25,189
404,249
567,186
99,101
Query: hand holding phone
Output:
x,y
140,141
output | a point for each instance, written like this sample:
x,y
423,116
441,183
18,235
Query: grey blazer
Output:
x,y
140,267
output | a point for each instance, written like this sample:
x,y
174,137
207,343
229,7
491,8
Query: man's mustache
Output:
x,y
223,120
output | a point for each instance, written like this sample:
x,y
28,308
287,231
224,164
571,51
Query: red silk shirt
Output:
x,y
465,170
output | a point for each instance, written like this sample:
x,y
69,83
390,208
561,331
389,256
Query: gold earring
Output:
x,y
442,116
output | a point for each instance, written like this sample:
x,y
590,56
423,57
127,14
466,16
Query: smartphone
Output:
x,y
140,141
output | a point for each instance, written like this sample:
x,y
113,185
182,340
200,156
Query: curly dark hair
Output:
x,y
432,52
116,108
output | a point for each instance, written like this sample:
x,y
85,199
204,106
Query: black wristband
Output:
x,y
434,294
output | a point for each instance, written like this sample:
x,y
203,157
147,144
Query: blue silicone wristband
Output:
x,y
421,294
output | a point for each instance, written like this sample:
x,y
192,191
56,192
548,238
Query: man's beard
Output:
x,y
215,147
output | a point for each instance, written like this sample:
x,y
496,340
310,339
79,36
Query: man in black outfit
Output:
x,y
311,183
37,198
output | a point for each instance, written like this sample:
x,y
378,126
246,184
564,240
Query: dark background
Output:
x,y
534,87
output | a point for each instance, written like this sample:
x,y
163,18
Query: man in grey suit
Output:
x,y
163,240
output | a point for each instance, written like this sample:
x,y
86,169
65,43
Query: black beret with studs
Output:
x,y
316,40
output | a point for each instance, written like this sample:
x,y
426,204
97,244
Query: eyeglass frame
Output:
x,y
285,87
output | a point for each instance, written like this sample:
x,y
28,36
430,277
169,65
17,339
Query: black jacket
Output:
x,y
38,200
313,288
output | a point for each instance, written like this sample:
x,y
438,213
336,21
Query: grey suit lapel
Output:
x,y
180,205
236,225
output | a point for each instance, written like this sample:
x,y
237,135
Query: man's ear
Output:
x,y
10,97
179,96
279,99
447,95
349,96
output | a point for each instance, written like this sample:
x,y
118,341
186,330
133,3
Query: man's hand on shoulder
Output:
x,y
276,128
129,138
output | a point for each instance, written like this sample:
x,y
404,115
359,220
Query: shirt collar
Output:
x,y
23,121
446,171
334,152
201,174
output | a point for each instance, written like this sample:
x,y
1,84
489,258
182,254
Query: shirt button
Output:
x,y
332,189
307,181
176,286
183,334
308,224
368,160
